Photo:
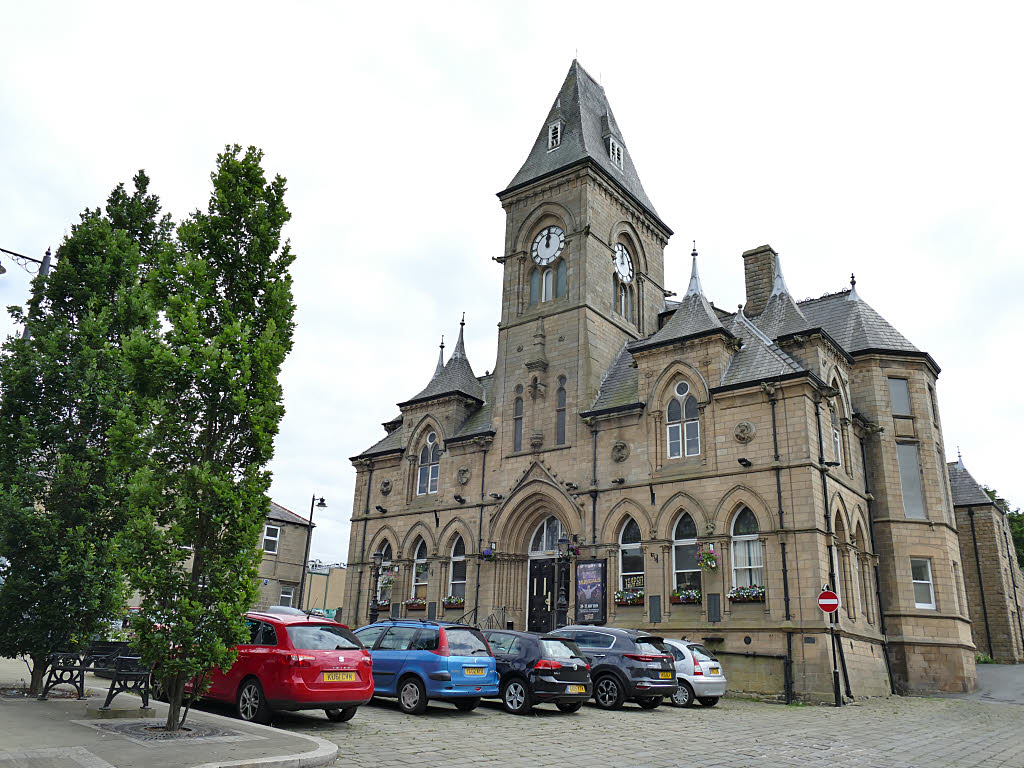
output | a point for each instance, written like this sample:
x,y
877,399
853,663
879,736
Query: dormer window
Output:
x,y
554,135
615,151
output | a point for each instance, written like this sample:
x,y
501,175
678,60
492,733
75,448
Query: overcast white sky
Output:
x,y
882,139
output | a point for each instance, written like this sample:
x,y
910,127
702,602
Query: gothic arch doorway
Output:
x,y
543,575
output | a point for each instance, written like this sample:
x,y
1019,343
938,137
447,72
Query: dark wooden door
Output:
x,y
540,611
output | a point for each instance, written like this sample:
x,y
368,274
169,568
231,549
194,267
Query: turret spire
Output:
x,y
695,287
460,346
440,359
780,286
853,289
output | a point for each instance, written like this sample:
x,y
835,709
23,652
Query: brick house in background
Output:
x,y
800,440
284,550
992,575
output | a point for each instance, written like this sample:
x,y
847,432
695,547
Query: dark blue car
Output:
x,y
416,661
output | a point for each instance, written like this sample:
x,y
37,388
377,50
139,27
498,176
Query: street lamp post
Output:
x,y
378,560
309,537
562,601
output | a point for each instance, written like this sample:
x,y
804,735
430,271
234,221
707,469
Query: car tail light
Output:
x,y
442,643
298,660
641,657
696,666
366,659
586,666
547,664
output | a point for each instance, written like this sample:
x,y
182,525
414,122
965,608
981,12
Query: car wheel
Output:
x,y
412,696
156,688
569,706
340,715
251,704
515,695
608,693
708,701
649,702
467,705
683,697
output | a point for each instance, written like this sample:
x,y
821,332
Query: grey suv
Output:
x,y
625,664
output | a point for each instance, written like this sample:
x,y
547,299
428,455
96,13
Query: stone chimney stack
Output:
x,y
759,271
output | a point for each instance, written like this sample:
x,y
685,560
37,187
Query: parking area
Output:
x,y
894,733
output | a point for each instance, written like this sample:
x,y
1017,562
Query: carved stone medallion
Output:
x,y
463,475
745,432
385,487
620,451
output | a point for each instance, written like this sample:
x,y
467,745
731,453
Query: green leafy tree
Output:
x,y
212,406
60,504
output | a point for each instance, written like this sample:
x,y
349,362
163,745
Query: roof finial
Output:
x,y
959,458
695,287
460,345
853,289
440,358
462,322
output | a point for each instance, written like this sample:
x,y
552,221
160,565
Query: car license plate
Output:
x,y
666,675
714,670
339,677
576,689
474,670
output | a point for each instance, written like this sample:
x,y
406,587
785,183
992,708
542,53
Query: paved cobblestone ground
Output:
x,y
882,733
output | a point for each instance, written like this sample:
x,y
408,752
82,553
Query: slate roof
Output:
x,y
759,357
619,387
853,324
781,315
279,513
480,421
587,121
387,444
966,490
455,377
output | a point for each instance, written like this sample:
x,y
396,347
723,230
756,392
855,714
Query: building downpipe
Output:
x,y
981,584
362,547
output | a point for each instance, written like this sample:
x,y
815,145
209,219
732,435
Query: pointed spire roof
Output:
x,y
440,360
781,315
694,316
587,123
454,378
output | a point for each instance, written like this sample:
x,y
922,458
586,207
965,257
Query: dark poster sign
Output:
x,y
591,591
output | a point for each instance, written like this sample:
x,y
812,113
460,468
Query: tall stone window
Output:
x,y
682,423
560,412
910,480
631,557
430,462
384,584
547,284
684,554
899,397
517,424
747,560
457,569
420,570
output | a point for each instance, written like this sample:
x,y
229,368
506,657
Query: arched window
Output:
x,y
546,536
430,458
547,288
457,571
685,554
420,570
631,557
386,581
560,279
839,557
534,286
629,304
560,412
682,423
517,424
747,561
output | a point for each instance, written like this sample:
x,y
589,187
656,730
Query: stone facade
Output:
x,y
639,427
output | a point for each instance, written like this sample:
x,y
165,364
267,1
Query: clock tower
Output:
x,y
583,266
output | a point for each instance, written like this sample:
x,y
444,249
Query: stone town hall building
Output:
x,y
801,440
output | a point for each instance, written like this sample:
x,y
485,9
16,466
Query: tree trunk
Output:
x,y
39,668
175,693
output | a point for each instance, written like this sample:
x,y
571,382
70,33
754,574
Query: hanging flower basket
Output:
x,y
629,597
754,594
685,597
454,601
416,604
707,560
487,554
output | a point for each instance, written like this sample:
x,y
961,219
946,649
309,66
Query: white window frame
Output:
x,y
623,548
543,524
616,153
431,468
930,582
290,596
554,135
837,443
754,544
416,562
684,431
676,570
385,566
547,285
452,581
276,538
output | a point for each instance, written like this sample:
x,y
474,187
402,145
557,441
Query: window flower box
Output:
x,y
416,604
453,601
754,594
685,597
629,597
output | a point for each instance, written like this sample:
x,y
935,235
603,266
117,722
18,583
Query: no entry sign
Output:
x,y
828,601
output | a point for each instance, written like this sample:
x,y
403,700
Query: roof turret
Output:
x,y
454,378
781,315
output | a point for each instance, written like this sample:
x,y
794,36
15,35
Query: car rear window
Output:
x,y
466,642
652,645
559,649
322,637
702,653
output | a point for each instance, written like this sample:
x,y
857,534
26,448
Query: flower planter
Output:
x,y
746,599
384,607
415,607
629,602
452,606
683,601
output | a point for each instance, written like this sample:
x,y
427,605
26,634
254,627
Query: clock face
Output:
x,y
623,263
547,245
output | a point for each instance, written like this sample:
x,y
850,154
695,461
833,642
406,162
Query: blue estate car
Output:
x,y
415,661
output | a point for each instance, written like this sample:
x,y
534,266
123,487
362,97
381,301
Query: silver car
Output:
x,y
699,672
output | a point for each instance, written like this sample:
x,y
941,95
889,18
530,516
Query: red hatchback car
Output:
x,y
296,662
